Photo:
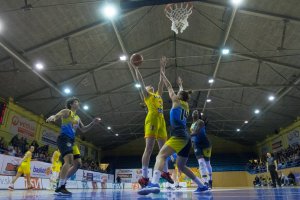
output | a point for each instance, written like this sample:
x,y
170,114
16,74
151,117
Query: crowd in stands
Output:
x,y
18,146
289,157
289,180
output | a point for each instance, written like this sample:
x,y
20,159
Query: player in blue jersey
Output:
x,y
179,141
202,147
70,122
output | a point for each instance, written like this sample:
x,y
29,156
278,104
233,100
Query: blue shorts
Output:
x,y
65,145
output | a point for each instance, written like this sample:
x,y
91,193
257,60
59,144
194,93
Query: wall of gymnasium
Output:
x,y
289,135
18,120
244,179
220,146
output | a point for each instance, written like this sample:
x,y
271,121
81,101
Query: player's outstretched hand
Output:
x,y
51,119
97,120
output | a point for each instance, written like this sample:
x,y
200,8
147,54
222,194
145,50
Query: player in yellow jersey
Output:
x,y
24,168
65,141
155,125
55,168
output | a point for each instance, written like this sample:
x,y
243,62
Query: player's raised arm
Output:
x,y
172,94
163,63
86,128
61,114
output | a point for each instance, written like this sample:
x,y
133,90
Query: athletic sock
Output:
x,y
166,166
145,172
156,176
203,169
61,182
209,169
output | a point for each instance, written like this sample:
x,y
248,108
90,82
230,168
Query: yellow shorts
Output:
x,y
207,152
24,168
155,127
181,146
76,151
56,167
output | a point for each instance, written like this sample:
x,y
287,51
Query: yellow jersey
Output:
x,y
56,155
27,157
56,163
70,124
154,103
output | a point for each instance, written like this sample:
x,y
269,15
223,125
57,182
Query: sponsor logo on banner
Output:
x,y
49,137
9,165
5,181
130,175
39,169
89,176
22,126
36,183
277,144
96,176
293,137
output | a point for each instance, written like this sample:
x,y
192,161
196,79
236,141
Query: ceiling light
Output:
x,y
256,111
109,11
108,128
117,134
236,2
211,80
123,58
208,100
39,66
246,122
225,51
271,98
137,85
238,130
67,90
85,107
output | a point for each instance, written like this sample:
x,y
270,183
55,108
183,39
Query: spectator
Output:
x,y
256,181
292,178
283,179
35,144
11,151
15,141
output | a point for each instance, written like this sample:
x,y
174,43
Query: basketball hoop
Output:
x,y
179,14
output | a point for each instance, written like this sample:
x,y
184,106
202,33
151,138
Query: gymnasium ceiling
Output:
x,y
80,49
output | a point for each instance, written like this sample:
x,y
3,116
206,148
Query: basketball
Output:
x,y
136,59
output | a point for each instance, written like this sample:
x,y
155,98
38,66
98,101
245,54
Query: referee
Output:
x,y
272,167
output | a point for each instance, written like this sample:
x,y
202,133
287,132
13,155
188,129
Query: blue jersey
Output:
x,y
201,137
178,118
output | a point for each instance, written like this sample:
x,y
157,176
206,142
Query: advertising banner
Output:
x,y
130,175
48,136
293,137
38,169
277,144
5,181
9,165
22,126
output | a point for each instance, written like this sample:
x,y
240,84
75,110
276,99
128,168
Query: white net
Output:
x,y
179,15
